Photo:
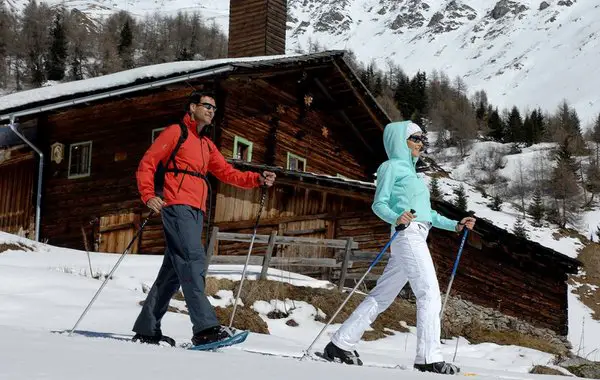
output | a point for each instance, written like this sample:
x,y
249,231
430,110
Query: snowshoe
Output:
x,y
438,367
335,354
212,335
217,337
153,339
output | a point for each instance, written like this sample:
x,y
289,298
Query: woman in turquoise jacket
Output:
x,y
399,190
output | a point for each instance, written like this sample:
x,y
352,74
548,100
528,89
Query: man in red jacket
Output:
x,y
182,210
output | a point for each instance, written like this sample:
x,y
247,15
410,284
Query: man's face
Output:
x,y
204,111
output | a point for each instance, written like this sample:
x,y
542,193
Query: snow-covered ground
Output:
x,y
463,171
43,293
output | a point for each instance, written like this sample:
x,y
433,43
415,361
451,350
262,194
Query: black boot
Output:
x,y
438,367
211,335
153,339
333,352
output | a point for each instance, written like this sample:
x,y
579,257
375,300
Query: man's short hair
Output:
x,y
196,96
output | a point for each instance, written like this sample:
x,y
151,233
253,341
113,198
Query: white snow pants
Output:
x,y
411,261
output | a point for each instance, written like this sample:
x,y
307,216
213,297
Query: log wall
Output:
x,y
273,121
120,132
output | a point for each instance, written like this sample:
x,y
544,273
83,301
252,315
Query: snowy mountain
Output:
x,y
527,53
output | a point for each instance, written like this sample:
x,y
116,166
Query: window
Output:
x,y
296,162
156,132
242,149
80,159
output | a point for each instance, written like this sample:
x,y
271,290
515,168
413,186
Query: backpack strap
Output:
x,y
182,137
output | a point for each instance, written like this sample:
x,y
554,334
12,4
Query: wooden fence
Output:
x,y
349,246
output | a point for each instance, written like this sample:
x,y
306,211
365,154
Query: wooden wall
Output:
x,y
17,200
271,119
120,132
489,276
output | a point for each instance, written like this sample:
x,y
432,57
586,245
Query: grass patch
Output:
x,y
395,318
571,233
475,333
14,247
328,301
590,257
543,370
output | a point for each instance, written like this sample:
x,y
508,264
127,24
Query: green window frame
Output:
x,y
80,160
237,142
292,156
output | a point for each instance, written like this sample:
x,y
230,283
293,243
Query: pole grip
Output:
x,y
401,227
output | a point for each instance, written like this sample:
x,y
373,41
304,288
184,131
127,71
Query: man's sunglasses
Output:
x,y
417,139
208,106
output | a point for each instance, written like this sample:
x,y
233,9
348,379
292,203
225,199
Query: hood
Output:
x,y
394,141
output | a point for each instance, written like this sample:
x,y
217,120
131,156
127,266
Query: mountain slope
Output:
x,y
529,53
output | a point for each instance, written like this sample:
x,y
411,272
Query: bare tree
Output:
x,y
521,187
386,101
566,194
489,161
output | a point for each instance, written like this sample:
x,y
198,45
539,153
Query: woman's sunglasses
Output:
x,y
417,139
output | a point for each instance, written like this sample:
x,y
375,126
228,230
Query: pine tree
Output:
x,y
496,126
528,130
536,208
57,59
564,156
435,189
515,126
598,232
461,198
596,137
519,229
538,126
126,46
496,204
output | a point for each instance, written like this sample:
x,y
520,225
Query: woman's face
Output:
x,y
415,143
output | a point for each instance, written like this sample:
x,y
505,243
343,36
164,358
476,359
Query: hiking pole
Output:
x,y
462,244
235,301
112,271
399,228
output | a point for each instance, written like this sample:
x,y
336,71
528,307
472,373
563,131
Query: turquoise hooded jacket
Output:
x,y
399,188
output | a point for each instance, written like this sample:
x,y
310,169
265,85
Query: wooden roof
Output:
x,y
329,78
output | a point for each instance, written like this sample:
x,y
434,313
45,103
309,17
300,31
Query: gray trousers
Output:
x,y
183,264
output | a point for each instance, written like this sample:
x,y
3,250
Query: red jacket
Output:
x,y
196,154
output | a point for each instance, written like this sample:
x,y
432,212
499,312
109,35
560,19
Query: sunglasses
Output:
x,y
208,106
417,139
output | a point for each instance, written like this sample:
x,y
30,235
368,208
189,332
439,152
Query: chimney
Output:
x,y
257,27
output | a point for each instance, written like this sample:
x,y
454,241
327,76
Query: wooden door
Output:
x,y
115,232
17,200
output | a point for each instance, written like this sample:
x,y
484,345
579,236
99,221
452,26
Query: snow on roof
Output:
x,y
123,78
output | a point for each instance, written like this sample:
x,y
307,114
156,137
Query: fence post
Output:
x,y
212,241
347,253
267,259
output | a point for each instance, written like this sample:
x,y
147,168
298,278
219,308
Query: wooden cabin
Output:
x,y
307,117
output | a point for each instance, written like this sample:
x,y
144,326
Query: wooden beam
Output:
x,y
343,115
305,232
359,96
268,254
287,240
345,263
